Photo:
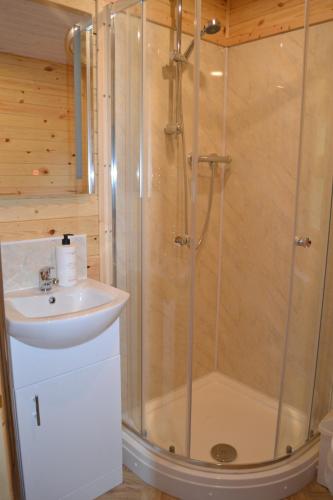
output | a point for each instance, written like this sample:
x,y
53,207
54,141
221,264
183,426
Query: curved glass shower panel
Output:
x,y
205,246
166,276
311,239
323,390
207,406
261,107
126,130
319,120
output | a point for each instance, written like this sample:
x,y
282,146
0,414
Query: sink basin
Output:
x,y
63,317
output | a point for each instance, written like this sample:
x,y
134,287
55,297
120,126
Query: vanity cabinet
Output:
x,y
69,424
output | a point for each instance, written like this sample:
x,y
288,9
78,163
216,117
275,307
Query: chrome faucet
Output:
x,y
46,281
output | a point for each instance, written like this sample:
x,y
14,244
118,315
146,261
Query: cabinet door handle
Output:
x,y
37,410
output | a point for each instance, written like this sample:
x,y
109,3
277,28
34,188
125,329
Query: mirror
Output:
x,y
46,99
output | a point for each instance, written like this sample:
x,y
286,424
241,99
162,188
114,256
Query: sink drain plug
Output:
x,y
222,452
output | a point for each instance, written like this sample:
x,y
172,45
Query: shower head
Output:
x,y
212,27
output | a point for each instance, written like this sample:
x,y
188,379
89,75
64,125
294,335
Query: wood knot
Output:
x,y
52,232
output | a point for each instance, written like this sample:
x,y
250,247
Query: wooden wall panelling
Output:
x,y
162,12
21,228
243,20
253,19
42,162
84,5
42,216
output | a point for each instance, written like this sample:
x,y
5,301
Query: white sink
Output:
x,y
78,314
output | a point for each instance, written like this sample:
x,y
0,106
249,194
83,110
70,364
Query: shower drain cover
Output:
x,y
222,452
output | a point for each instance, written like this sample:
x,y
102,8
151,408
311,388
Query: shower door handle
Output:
x,y
303,241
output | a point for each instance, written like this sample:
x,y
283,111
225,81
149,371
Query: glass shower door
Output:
x,y
313,214
166,256
126,177
151,222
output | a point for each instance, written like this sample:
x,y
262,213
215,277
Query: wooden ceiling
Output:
x,y
242,20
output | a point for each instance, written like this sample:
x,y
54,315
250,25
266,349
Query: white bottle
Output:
x,y
66,262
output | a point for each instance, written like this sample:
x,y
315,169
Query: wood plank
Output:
x,y
29,135
93,245
159,11
9,142
35,191
18,169
11,58
24,109
36,98
243,20
93,267
83,5
24,85
33,122
251,20
43,228
25,181
39,74
47,208
35,157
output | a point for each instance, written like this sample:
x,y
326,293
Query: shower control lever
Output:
x,y
303,241
210,159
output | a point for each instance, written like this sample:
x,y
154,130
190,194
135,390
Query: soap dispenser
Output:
x,y
66,262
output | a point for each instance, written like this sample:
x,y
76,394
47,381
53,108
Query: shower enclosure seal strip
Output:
x,y
195,153
318,340
141,176
220,248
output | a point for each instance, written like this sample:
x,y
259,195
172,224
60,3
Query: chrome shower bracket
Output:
x,y
178,57
173,129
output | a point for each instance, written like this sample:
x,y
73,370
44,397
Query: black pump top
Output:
x,y
66,240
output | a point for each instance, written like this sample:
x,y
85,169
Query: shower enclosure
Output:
x,y
221,211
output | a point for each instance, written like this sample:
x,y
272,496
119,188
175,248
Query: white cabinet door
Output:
x,y
74,450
